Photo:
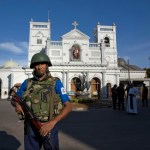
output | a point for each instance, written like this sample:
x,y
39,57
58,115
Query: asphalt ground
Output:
x,y
91,129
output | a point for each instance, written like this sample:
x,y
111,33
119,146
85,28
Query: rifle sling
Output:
x,y
52,101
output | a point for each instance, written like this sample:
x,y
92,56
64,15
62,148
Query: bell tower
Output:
x,y
38,35
107,34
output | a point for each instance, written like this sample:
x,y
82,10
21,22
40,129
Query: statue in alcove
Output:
x,y
75,52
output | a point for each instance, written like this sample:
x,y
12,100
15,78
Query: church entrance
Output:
x,y
96,88
76,86
108,90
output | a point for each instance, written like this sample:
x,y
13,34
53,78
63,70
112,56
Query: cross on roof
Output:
x,y
75,24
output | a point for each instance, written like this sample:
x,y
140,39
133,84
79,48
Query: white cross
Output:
x,y
75,24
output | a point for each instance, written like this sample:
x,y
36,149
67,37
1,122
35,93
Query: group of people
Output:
x,y
118,94
118,97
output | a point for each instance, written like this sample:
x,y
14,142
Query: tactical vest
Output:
x,y
42,98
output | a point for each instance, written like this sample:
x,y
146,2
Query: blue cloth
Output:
x,y
59,89
34,141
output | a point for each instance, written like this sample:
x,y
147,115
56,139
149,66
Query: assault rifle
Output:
x,y
27,111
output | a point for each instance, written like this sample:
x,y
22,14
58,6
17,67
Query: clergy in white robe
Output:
x,y
132,101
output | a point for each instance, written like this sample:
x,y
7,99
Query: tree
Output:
x,y
147,72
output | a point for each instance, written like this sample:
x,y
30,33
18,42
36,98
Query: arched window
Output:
x,y
107,42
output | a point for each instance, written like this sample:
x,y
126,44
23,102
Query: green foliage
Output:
x,y
148,72
81,100
74,100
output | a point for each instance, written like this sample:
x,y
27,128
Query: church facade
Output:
x,y
74,60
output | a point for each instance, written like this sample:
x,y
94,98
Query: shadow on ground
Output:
x,y
106,129
8,142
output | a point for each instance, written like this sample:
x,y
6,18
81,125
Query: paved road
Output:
x,y
95,129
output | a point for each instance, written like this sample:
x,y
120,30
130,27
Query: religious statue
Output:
x,y
75,52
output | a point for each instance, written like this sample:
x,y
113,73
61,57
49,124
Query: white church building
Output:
x,y
75,57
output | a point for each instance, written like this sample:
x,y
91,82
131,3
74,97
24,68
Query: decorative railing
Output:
x,y
93,45
55,43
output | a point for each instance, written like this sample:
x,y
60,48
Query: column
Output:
x,y
117,79
47,46
67,81
103,84
63,77
102,48
87,77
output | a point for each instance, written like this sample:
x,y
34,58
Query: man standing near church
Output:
x,y
114,96
120,95
132,101
38,92
144,96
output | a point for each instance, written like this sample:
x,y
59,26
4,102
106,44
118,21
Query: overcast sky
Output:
x,y
132,18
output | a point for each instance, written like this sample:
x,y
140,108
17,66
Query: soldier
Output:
x,y
37,93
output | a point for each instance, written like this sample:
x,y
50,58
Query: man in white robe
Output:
x,y
132,101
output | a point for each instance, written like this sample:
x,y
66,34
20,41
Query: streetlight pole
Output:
x,y
128,71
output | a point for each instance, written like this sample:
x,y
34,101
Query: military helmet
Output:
x,y
40,58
